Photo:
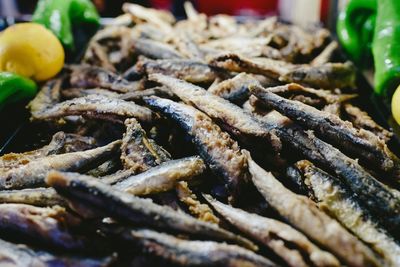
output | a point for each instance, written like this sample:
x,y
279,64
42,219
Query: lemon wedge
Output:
x,y
30,50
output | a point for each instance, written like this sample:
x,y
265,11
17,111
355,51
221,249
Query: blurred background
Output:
x,y
295,11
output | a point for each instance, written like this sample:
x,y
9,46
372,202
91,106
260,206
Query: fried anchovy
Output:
x,y
201,211
33,173
138,95
335,197
76,142
17,255
154,49
164,177
106,168
117,176
218,150
361,119
376,196
193,253
235,120
250,47
81,92
296,179
326,54
45,225
41,197
96,106
12,160
324,76
48,96
328,75
138,152
85,76
149,31
96,195
96,55
357,142
159,18
291,245
60,143
187,47
236,89
334,109
302,212
294,91
186,69
264,66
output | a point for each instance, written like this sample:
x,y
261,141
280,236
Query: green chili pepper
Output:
x,y
386,47
60,16
14,87
355,28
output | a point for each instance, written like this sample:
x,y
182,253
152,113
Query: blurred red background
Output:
x,y
111,8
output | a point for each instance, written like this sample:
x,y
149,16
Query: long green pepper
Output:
x,y
14,87
386,47
355,29
60,16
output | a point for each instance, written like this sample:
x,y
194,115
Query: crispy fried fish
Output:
x,y
327,76
138,152
325,55
291,245
49,226
304,214
245,46
193,253
235,120
333,196
34,173
163,177
186,46
201,211
186,69
138,95
236,89
60,143
12,160
76,142
117,176
96,195
48,96
154,49
17,255
41,197
96,55
297,92
160,18
362,120
130,96
108,167
96,106
379,199
85,76
264,66
81,92
217,149
356,142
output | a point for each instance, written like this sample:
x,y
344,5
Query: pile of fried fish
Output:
x,y
202,142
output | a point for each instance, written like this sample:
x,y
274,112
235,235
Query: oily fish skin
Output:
x,y
30,50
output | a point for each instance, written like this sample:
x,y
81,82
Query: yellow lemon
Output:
x,y
29,49
396,105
